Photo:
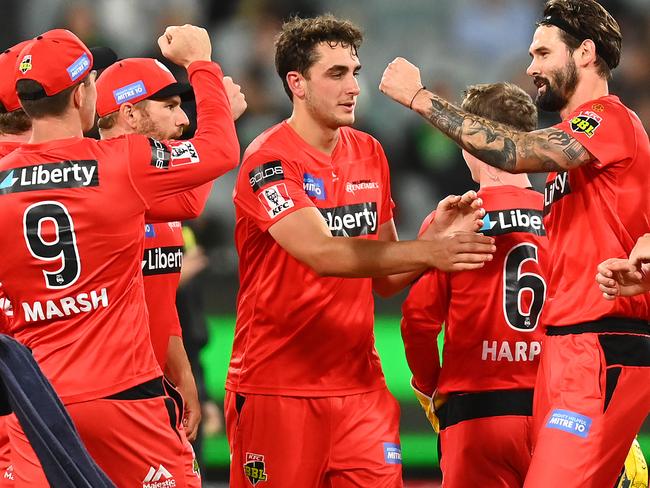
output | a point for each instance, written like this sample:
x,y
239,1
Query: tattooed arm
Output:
x,y
493,143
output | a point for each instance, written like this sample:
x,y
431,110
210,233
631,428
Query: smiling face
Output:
x,y
553,69
331,86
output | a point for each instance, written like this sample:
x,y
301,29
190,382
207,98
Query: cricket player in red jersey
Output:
x,y
484,391
15,129
591,395
306,402
74,278
154,110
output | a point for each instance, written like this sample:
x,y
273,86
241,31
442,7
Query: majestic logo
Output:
x,y
183,152
314,187
162,260
555,190
392,453
355,186
513,220
79,67
275,199
26,64
586,122
255,468
158,478
129,92
160,154
598,107
265,174
50,176
571,422
352,220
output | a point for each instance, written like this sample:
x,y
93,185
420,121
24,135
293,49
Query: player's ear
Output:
x,y
296,83
127,114
78,95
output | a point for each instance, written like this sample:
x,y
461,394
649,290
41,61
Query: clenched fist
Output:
x,y
184,44
401,81
235,97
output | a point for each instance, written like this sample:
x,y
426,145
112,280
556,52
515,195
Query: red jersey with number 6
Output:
x,y
298,333
597,211
72,213
491,315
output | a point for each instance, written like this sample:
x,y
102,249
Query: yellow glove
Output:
x,y
430,405
635,470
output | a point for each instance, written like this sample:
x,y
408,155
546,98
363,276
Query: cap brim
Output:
x,y
183,90
103,57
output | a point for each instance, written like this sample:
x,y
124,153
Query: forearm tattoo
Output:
x,y
500,146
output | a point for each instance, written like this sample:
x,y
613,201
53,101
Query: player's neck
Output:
x,y
313,133
589,88
55,128
24,137
495,177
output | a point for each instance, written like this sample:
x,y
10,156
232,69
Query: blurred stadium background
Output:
x,y
455,43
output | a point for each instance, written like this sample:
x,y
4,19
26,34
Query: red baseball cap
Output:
x,y
57,59
8,96
135,79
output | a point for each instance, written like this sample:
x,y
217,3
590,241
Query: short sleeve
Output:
x,y
604,128
269,188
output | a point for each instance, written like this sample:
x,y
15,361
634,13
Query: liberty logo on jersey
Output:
x,y
352,220
314,187
276,199
158,478
162,260
255,468
555,190
64,174
513,220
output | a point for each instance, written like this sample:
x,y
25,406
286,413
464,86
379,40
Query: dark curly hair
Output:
x,y
295,46
594,22
14,123
502,102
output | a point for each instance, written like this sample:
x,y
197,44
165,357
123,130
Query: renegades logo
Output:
x,y
586,122
255,469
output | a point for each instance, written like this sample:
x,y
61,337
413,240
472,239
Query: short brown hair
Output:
x,y
502,102
14,123
46,106
295,46
592,21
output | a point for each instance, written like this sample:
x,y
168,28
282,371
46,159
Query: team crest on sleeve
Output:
x,y
264,174
275,199
255,468
586,122
183,152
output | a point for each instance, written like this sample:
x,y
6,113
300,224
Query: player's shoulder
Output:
x,y
361,138
428,220
272,140
511,197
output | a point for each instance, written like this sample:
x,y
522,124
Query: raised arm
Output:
x,y
493,143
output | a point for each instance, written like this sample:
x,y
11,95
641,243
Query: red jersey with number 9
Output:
x,y
72,213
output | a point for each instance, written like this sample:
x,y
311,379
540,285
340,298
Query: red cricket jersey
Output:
x,y
597,211
297,333
73,211
491,315
161,268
